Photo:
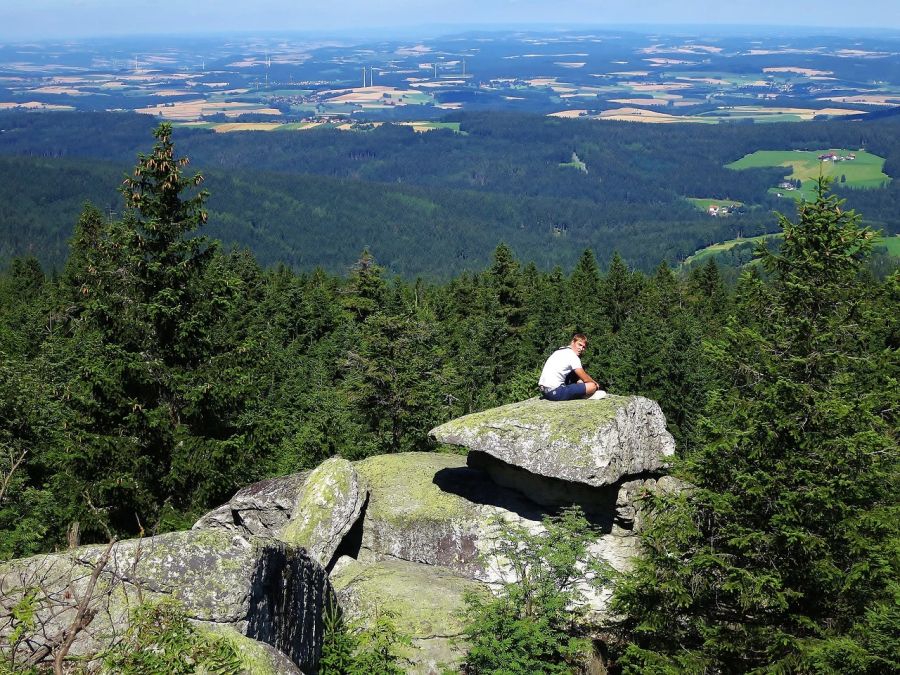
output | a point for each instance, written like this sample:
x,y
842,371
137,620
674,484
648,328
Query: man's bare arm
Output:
x,y
584,377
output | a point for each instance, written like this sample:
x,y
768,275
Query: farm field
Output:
x,y
865,170
892,244
610,75
703,203
226,127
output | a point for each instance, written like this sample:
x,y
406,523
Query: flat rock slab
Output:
x,y
596,443
329,504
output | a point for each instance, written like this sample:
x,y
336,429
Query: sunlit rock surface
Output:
x,y
594,443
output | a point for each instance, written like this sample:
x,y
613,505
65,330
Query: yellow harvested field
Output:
x,y
437,85
449,106
56,90
191,110
669,62
629,73
541,81
570,64
33,105
639,101
838,111
365,94
412,51
798,71
703,80
803,113
882,99
860,52
568,113
245,126
173,92
638,115
683,49
665,86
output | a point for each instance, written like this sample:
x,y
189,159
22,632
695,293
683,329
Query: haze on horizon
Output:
x,y
70,19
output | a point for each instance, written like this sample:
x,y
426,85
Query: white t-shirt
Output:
x,y
561,362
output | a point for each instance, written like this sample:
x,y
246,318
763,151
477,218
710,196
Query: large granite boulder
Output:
x,y
431,508
425,601
585,442
261,509
329,504
260,587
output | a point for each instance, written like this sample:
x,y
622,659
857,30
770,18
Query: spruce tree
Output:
x,y
782,556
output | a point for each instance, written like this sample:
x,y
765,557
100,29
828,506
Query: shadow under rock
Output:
x,y
476,486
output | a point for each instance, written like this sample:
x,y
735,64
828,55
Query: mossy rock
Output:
x,y
597,443
257,658
329,504
426,602
218,577
431,508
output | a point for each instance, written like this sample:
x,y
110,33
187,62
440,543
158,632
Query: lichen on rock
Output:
x,y
329,503
260,509
426,602
596,443
432,508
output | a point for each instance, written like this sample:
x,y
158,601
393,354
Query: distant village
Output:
x,y
833,157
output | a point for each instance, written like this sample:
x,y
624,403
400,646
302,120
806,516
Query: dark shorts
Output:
x,y
566,392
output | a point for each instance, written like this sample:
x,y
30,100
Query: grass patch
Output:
x,y
703,204
431,126
892,244
714,249
575,163
865,171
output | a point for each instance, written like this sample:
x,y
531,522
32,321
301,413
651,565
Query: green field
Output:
x,y
866,171
892,244
703,204
714,249
575,163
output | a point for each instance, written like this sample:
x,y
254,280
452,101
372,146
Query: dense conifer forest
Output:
x,y
452,197
156,372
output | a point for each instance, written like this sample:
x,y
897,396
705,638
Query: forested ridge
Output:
x,y
157,372
452,196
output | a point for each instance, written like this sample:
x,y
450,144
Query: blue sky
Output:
x,y
27,19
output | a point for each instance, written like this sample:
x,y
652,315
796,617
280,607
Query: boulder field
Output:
x,y
407,534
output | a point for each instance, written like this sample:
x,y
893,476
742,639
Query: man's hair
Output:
x,y
578,336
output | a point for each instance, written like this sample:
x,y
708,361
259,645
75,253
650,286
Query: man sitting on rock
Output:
x,y
563,378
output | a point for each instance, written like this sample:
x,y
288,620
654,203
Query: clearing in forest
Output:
x,y
703,203
851,168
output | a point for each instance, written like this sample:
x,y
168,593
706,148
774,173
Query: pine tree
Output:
x,y
783,554
139,344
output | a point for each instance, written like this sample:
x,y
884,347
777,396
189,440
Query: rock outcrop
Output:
x,y
261,588
407,533
594,443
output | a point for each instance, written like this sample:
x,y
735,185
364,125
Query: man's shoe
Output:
x,y
597,395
